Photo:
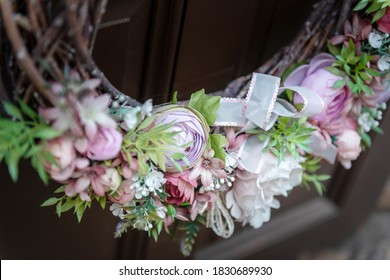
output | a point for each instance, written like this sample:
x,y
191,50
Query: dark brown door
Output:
x,y
149,49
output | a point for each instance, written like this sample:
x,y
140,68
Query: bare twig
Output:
x,y
21,52
85,58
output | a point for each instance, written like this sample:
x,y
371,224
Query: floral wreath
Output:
x,y
210,161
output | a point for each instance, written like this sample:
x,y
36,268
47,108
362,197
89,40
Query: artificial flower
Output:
x,y
337,101
253,195
191,133
208,167
93,176
180,188
93,114
105,144
384,63
375,40
61,148
357,30
348,147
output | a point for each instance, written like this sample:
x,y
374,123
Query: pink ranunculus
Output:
x,y
180,188
348,145
337,102
65,155
191,128
105,145
384,22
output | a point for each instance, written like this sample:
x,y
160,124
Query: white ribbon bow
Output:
x,y
261,108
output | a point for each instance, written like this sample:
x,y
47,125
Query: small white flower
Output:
x,y
130,119
113,177
116,210
147,108
154,180
375,40
161,212
142,224
384,63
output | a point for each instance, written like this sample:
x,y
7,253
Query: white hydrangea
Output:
x,y
152,183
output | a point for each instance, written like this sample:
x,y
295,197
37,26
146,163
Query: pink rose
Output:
x,y
180,188
384,22
348,144
65,155
337,102
105,145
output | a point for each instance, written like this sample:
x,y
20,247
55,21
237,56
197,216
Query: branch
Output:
x,y
21,53
85,58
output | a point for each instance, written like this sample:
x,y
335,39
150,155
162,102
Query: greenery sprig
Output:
x,y
353,68
287,135
23,137
309,177
376,6
191,230
152,142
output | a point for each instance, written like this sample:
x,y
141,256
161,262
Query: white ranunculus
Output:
x,y
375,40
253,195
384,63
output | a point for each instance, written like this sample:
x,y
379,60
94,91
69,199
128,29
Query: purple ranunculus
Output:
x,y
337,102
105,145
191,129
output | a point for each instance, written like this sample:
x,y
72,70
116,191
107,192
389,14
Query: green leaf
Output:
x,y
50,201
335,71
171,211
207,106
366,139
12,110
333,49
218,142
361,5
102,202
79,213
147,122
338,84
174,98
379,14
46,133
27,110
12,160
60,189
59,208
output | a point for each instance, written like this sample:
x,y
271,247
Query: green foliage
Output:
x,y
151,142
207,106
218,143
66,203
191,230
376,6
309,178
287,135
144,214
352,68
23,137
174,98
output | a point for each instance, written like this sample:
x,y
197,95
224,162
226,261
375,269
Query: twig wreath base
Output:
x,y
213,161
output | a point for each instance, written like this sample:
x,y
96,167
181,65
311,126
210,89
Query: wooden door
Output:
x,y
150,48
